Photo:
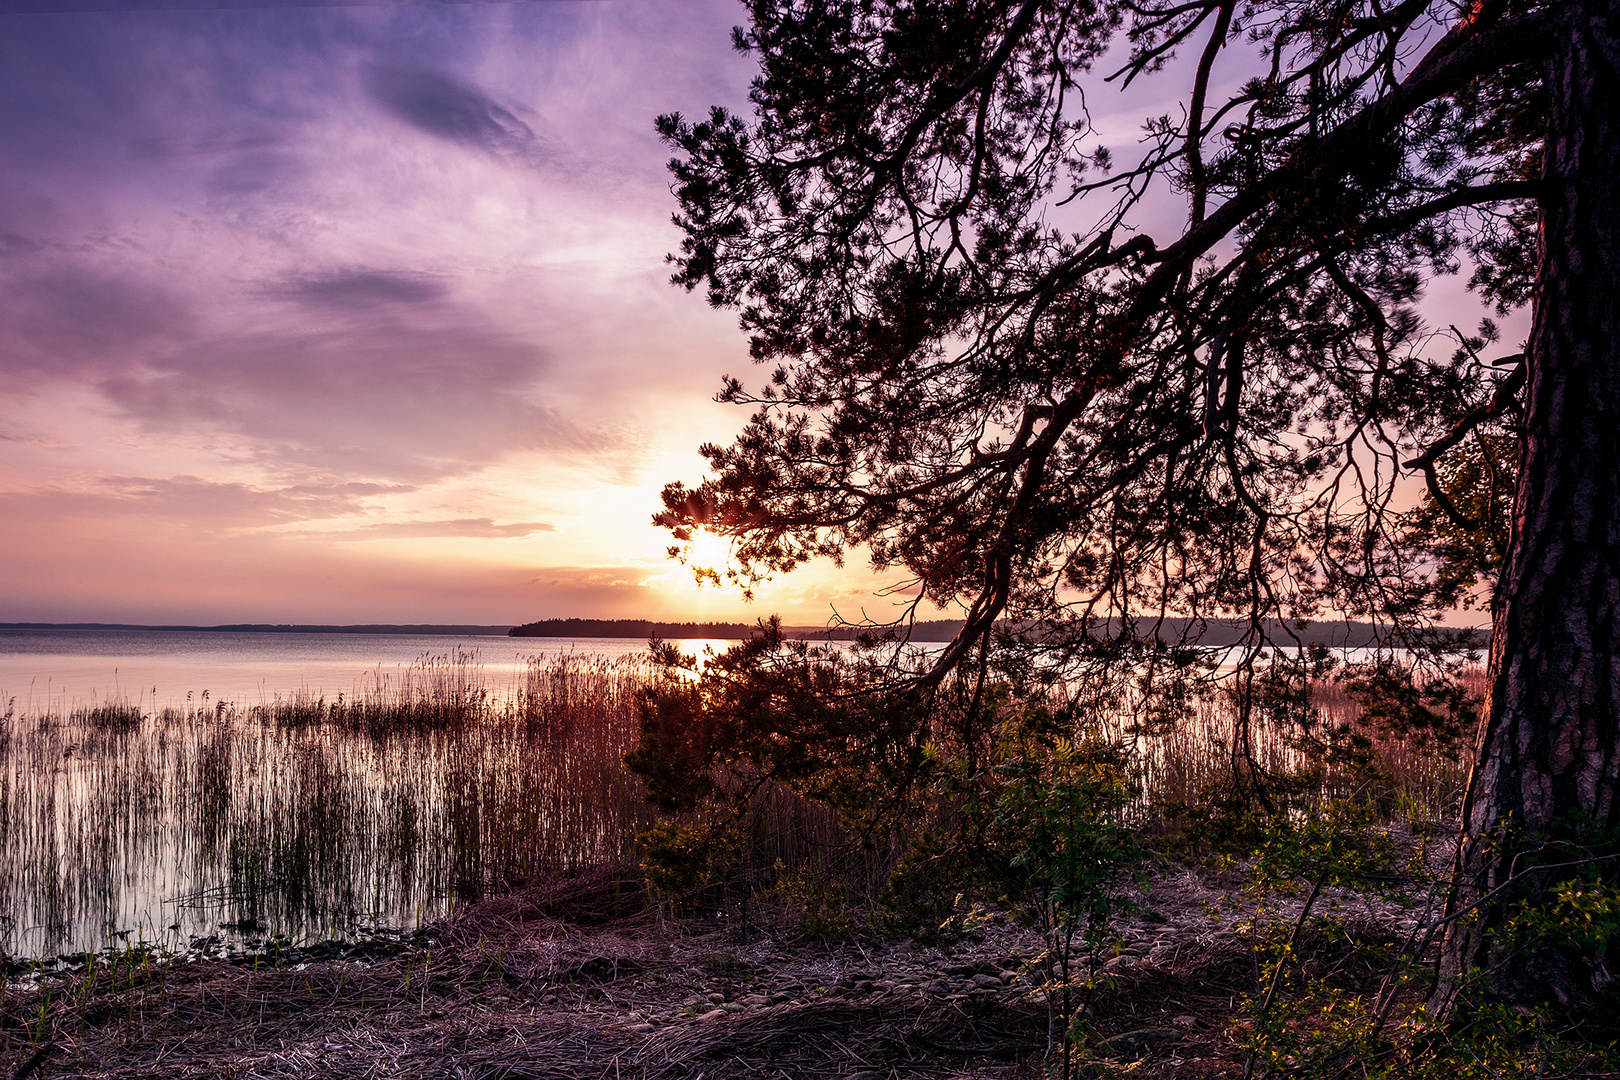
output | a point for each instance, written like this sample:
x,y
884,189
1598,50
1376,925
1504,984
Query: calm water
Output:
x,y
225,797
65,669
175,786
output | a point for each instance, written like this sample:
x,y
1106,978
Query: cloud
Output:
x,y
458,527
359,287
69,318
440,106
392,400
419,247
207,504
253,172
16,244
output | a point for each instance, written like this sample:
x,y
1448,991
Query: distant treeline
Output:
x,y
629,628
1210,633
939,630
276,628
1334,633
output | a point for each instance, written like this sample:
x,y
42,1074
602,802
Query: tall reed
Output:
x,y
309,815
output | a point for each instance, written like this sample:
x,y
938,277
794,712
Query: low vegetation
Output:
x,y
1054,880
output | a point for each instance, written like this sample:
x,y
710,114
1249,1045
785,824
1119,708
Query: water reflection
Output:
x,y
309,815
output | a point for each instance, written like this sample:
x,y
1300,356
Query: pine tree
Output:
x,y
1004,367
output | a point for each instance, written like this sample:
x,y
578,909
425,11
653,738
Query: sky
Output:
x,y
359,313
356,314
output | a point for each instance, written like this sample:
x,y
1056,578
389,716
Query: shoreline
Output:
x,y
577,978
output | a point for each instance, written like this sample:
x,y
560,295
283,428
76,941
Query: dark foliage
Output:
x,y
1002,367
995,372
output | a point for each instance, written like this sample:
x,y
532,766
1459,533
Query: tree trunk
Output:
x,y
1544,784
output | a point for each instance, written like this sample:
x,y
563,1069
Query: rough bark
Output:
x,y
1545,779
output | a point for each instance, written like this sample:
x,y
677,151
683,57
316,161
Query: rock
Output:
x,y
1134,1043
863,986
641,1029
716,999
987,982
713,1014
733,1007
1122,962
1009,977
549,999
755,1001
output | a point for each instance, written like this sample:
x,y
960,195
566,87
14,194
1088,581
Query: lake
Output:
x,y
191,789
63,669
216,790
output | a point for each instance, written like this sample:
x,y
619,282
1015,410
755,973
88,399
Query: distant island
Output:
x,y
1210,633
935,630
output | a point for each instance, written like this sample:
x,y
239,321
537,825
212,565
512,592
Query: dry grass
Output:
x,y
571,977
548,982
311,817
328,814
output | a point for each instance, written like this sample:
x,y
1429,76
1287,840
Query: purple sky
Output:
x,y
360,314
354,314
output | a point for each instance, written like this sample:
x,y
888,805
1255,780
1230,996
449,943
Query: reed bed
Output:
x,y
1410,781
213,826
308,816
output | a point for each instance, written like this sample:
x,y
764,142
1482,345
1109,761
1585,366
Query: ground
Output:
x,y
577,979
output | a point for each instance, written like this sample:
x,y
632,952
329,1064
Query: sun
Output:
x,y
707,550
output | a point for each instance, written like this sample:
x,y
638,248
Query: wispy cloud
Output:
x,y
360,287
479,528
65,319
288,277
441,106
210,504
